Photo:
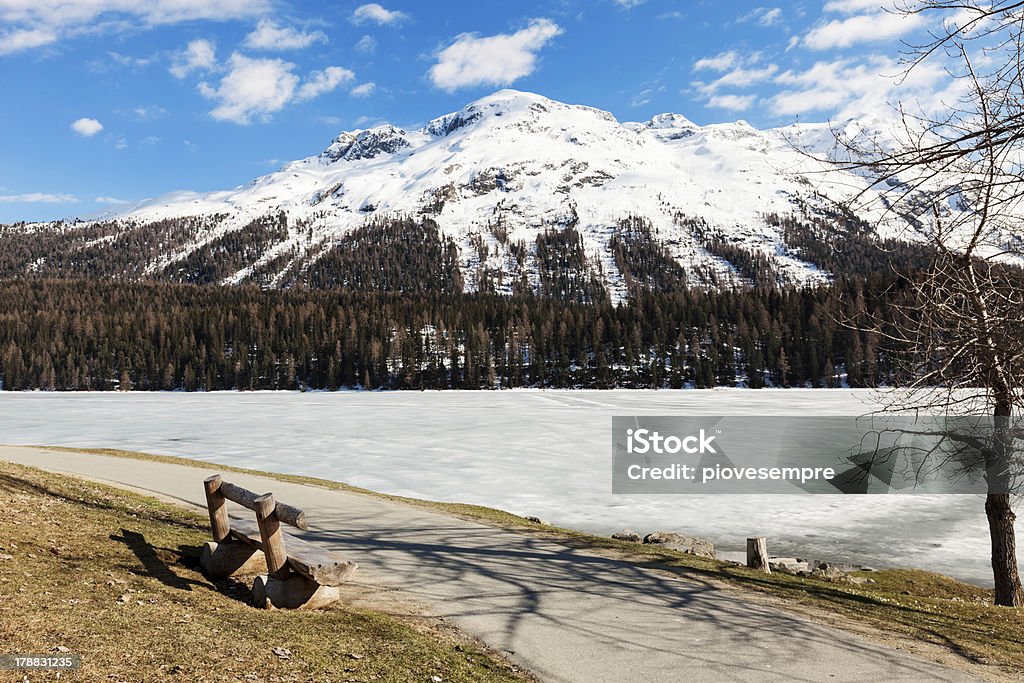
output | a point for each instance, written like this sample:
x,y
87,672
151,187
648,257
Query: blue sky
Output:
x,y
112,101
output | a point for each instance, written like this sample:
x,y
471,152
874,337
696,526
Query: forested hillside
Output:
x,y
385,307
100,334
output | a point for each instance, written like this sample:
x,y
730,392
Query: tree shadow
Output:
x,y
667,624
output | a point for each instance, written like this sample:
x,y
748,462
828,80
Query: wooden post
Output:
x,y
757,554
218,513
270,534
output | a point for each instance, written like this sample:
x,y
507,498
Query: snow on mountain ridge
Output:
x,y
533,163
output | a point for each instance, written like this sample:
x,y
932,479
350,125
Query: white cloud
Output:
x,y
720,62
492,60
367,45
252,87
103,199
129,60
257,88
363,90
732,102
771,17
789,102
629,4
270,36
34,23
763,16
854,6
738,72
373,12
740,77
26,39
40,198
844,88
321,82
643,97
87,127
199,55
861,28
149,112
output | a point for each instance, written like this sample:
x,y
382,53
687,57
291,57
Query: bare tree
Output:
x,y
956,179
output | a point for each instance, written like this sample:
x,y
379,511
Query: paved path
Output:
x,y
564,614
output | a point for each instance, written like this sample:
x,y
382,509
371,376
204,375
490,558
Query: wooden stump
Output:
x,y
220,560
295,592
757,554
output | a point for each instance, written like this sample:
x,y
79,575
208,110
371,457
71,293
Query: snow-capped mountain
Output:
x,y
505,169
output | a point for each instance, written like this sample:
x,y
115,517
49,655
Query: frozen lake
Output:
x,y
543,453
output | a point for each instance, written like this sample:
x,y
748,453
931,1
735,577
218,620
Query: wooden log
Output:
x,y
323,566
218,513
243,497
291,516
295,592
757,554
271,537
246,498
220,560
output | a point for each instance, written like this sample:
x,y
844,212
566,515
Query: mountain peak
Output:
x,y
498,173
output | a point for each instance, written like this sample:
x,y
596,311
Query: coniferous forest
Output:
x,y
385,309
99,334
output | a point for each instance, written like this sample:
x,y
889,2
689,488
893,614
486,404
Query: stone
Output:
x,y
627,535
831,574
788,565
685,544
295,592
221,560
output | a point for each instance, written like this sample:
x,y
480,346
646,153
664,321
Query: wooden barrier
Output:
x,y
298,574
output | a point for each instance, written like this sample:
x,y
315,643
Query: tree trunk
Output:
x,y
1004,550
999,511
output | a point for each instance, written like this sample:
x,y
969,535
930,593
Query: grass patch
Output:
x,y
902,605
113,576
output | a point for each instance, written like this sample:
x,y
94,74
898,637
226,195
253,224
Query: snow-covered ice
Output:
x,y
543,453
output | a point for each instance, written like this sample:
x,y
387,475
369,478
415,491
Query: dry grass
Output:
x,y
112,575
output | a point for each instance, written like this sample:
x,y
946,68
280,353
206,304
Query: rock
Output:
x,y
627,535
868,569
788,565
535,520
831,574
685,544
